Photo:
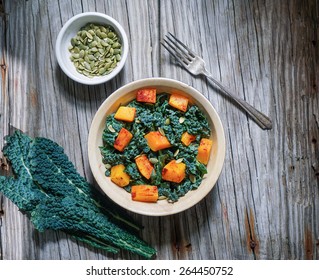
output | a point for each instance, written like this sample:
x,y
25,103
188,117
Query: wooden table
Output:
x,y
265,204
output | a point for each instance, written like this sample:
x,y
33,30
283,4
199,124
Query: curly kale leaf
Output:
x,y
196,122
23,192
79,219
51,169
111,156
131,169
112,128
51,192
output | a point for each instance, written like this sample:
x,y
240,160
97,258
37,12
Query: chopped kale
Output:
x,y
150,117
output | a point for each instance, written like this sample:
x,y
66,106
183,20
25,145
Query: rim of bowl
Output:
x,y
83,79
95,158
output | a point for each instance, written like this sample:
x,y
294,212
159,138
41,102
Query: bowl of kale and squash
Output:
x,y
156,146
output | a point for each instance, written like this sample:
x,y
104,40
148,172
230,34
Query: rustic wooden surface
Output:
x,y
266,202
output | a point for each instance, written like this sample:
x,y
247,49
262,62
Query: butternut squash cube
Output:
x,y
156,141
147,95
144,193
126,114
204,149
118,176
123,139
187,138
178,101
144,166
174,172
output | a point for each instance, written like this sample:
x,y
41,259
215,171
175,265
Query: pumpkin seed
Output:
x,y
108,71
108,166
161,131
109,41
111,35
89,35
91,57
153,173
103,35
108,65
167,121
83,47
179,160
116,45
117,51
73,42
87,65
153,160
176,153
110,128
113,64
102,70
192,178
103,43
93,44
81,53
87,59
76,50
118,57
95,50
181,119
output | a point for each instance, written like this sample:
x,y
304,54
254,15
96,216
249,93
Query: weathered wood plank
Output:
x,y
242,36
265,204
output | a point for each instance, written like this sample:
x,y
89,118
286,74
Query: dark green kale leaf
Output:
x,y
196,122
50,191
81,219
112,128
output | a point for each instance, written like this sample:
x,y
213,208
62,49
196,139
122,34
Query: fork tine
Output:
x,y
184,52
180,42
170,48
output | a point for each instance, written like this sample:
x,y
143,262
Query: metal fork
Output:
x,y
196,66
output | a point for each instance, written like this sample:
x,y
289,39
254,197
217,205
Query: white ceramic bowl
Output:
x,y
161,208
70,29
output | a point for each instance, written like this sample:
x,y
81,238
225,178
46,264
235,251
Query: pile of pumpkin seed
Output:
x,y
95,50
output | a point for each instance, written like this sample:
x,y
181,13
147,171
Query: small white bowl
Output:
x,y
161,208
70,29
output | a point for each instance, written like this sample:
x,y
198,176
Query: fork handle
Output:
x,y
261,119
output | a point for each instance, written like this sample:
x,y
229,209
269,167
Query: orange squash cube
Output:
x,y
174,172
204,149
187,138
123,139
178,101
147,95
126,114
156,141
144,193
118,176
144,166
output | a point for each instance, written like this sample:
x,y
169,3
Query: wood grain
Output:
x,y
265,204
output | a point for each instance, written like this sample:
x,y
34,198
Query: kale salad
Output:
x,y
157,146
